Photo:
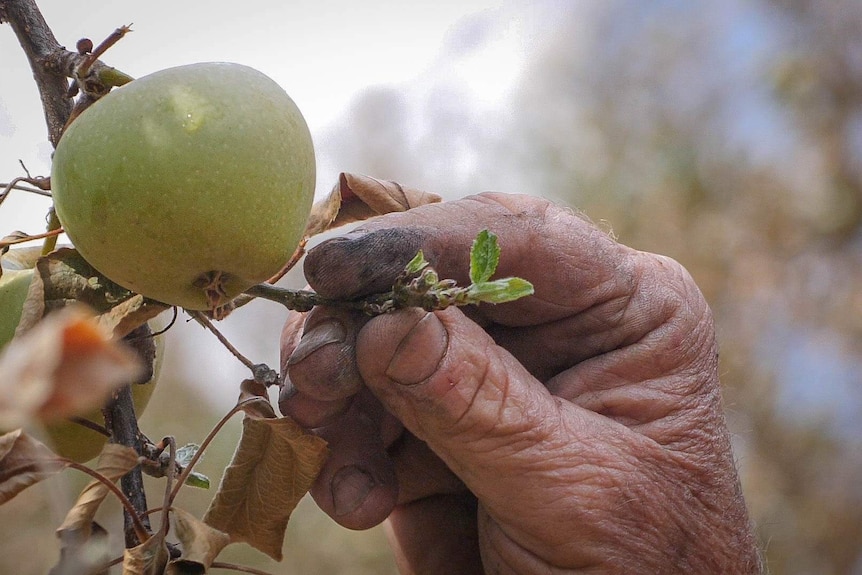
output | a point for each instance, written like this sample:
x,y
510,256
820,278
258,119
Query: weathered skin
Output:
x,y
579,430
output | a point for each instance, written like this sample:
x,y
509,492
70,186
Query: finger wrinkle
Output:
x,y
680,338
496,421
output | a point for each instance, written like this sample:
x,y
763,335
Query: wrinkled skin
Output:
x,y
579,430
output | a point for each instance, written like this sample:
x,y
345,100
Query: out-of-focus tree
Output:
x,y
727,134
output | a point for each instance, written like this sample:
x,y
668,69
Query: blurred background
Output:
x,y
724,133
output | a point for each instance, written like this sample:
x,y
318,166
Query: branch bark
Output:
x,y
46,56
52,65
122,422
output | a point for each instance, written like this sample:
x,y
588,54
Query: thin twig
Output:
x,y
206,323
9,186
166,505
44,54
91,425
305,300
23,240
207,440
294,259
261,372
162,331
113,38
139,528
14,185
296,300
240,568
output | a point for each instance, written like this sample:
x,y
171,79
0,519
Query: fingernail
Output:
x,y
350,486
420,352
330,331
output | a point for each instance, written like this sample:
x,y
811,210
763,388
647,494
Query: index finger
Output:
x,y
583,279
571,263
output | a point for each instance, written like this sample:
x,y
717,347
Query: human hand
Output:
x,y
578,429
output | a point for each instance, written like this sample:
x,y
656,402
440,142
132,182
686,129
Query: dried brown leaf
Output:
x,y
323,213
356,197
114,462
85,557
201,543
66,365
134,312
24,461
63,277
21,258
149,558
272,469
254,400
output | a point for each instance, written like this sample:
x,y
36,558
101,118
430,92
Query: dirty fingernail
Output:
x,y
330,331
350,486
420,352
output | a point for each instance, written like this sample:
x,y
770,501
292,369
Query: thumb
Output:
x,y
473,403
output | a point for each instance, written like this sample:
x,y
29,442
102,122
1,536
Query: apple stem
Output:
x,y
296,300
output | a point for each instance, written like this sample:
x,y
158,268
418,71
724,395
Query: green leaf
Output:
x,y
484,257
499,291
186,453
417,264
198,480
184,457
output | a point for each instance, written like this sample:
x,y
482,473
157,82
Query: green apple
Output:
x,y
67,438
14,285
189,185
79,443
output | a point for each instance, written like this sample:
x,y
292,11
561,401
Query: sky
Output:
x,y
323,53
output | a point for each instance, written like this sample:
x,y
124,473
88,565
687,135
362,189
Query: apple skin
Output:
x,y
14,285
66,438
78,443
201,170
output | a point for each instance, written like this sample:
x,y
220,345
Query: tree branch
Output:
x,y
46,56
52,64
122,422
